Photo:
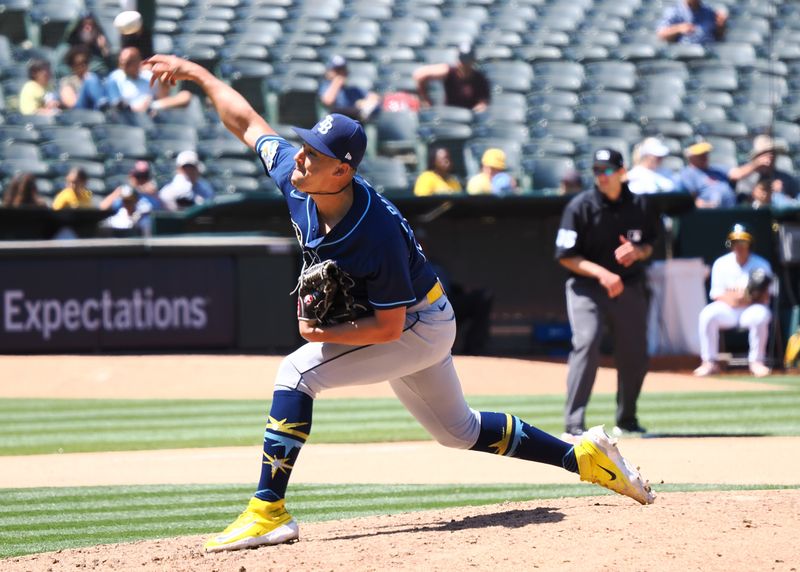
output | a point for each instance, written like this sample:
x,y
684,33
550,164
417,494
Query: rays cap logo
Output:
x,y
337,136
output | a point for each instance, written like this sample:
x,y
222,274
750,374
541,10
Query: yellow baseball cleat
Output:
x,y
262,523
600,462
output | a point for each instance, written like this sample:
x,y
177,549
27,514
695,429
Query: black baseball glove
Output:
x,y
323,295
758,284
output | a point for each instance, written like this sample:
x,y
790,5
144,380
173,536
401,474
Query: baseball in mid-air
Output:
x,y
128,22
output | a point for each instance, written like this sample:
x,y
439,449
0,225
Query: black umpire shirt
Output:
x,y
592,224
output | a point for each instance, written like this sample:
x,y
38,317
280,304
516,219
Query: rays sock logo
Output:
x,y
510,436
287,430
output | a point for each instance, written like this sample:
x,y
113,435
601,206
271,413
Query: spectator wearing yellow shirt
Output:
x,y
75,195
493,178
35,97
438,179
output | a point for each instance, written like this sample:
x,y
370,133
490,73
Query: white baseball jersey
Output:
x,y
726,274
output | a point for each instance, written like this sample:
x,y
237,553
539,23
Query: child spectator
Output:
x,y
36,97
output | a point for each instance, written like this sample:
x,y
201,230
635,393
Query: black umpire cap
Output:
x,y
606,157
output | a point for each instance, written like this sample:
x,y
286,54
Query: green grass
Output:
x,y
47,519
31,426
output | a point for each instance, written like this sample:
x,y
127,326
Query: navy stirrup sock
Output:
x,y
287,431
508,435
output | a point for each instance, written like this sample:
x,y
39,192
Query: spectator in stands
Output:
x,y
494,178
22,192
88,33
464,85
129,87
571,183
647,176
708,184
762,165
187,188
82,89
438,179
75,194
733,307
763,197
36,97
692,22
133,212
140,180
339,97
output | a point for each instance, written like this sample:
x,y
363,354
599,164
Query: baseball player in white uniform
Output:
x,y
733,307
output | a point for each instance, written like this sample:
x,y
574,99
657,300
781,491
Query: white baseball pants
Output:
x,y
419,368
720,316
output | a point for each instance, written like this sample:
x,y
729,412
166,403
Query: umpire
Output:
x,y
605,235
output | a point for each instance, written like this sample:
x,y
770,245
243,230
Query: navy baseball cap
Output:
x,y
337,136
608,158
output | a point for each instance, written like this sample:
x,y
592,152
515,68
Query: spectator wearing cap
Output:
x,y
141,180
571,183
692,22
438,179
338,97
761,165
82,89
75,194
605,236
647,176
709,185
129,87
36,96
464,84
494,178
187,188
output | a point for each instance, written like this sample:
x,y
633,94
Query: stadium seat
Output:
x,y
397,132
80,117
292,100
20,151
53,19
549,146
575,132
14,22
13,133
546,172
386,175
675,129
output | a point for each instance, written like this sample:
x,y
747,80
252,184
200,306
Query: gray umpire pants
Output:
x,y
589,307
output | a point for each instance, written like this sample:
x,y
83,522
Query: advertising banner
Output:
x,y
92,304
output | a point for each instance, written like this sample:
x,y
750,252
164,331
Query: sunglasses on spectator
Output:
x,y
607,171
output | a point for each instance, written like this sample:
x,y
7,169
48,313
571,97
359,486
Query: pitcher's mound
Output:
x,y
747,530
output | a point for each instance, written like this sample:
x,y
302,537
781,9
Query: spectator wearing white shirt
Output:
x,y
129,87
187,188
648,176
732,307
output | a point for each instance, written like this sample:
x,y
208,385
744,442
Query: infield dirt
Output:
x,y
709,531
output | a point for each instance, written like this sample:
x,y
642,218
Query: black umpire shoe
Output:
x,y
628,430
572,434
